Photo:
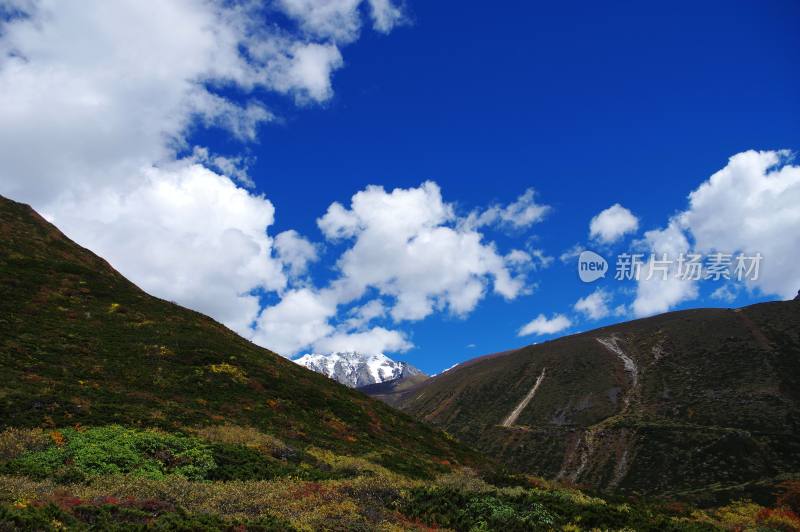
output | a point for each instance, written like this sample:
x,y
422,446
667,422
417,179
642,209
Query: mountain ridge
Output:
x,y
653,405
355,370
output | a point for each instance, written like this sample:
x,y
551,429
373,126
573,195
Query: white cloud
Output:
x,y
595,305
298,320
572,253
726,293
612,224
750,206
295,251
306,70
185,234
656,295
385,15
520,214
542,325
111,91
340,20
375,340
363,315
234,167
540,260
99,99
409,247
521,259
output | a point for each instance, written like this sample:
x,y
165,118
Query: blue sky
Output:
x,y
590,104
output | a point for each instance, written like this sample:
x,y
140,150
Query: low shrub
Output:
x,y
464,479
789,495
76,455
14,442
248,437
517,509
342,466
236,462
77,514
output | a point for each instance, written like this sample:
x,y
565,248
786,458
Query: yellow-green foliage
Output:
x,y
230,370
15,489
14,442
738,513
747,516
464,479
247,436
349,465
340,505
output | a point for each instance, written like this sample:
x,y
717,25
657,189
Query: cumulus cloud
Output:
x,y
306,317
750,206
375,340
595,305
340,20
185,234
295,252
300,318
542,325
658,292
99,101
409,247
233,167
407,253
386,15
520,214
111,92
363,315
305,70
612,224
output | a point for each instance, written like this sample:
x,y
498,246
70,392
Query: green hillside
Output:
x,y
120,411
701,403
80,344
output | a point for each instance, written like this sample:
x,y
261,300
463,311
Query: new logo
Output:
x,y
591,266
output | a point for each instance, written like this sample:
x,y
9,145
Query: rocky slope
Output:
x,y
358,369
700,400
392,392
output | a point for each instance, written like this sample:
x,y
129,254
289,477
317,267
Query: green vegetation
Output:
x,y
76,454
81,345
120,411
356,495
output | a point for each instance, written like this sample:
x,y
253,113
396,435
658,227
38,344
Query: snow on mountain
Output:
x,y
357,369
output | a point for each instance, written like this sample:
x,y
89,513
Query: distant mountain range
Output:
x,y
358,369
704,400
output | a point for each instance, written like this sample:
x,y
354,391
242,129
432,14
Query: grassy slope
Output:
x,y
716,404
80,344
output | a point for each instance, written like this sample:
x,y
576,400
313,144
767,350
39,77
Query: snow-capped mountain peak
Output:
x,y
357,369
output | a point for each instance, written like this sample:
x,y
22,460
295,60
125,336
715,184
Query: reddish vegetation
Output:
x,y
789,495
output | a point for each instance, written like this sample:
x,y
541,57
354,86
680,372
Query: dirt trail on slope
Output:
x,y
631,368
512,417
